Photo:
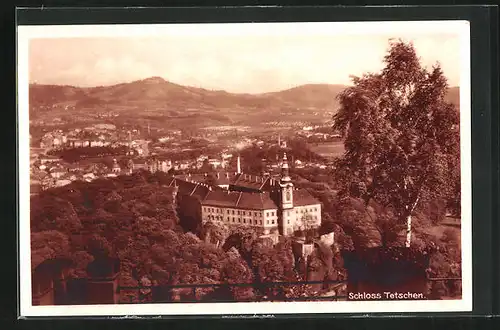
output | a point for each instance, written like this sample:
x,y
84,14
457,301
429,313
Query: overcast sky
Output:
x,y
248,64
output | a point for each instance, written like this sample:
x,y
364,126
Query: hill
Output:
x,y
157,89
158,98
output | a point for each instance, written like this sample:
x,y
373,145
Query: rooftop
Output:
x,y
242,200
302,197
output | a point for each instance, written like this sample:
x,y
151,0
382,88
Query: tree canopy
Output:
x,y
401,135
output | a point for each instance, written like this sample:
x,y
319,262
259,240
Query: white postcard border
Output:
x,y
25,33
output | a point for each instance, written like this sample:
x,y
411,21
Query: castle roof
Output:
x,y
235,199
227,178
241,200
258,201
302,197
221,198
249,181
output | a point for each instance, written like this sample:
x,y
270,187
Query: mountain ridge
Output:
x,y
155,96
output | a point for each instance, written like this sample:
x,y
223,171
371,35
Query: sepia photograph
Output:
x,y
244,168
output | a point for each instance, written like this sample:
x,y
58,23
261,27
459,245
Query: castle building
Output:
x,y
268,204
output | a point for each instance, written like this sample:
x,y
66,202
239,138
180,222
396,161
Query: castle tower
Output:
x,y
287,220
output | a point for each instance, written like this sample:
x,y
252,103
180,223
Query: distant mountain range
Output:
x,y
158,90
157,96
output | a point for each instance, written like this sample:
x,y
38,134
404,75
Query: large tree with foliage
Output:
x,y
401,135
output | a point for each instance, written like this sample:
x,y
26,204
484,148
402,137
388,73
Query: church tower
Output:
x,y
286,198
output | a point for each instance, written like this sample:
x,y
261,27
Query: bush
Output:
x,y
450,235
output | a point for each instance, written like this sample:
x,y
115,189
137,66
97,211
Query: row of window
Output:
x,y
305,210
233,212
268,214
239,220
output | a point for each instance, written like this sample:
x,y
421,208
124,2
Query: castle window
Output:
x,y
255,213
288,221
244,213
272,214
233,212
315,218
315,209
267,221
228,211
273,221
267,214
239,220
256,222
227,219
244,220
261,222
239,212
233,219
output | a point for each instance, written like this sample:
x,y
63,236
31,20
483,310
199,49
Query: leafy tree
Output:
x,y
206,167
47,245
215,233
236,270
99,247
401,135
81,260
53,213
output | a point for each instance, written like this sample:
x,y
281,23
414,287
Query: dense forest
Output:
x,y
137,219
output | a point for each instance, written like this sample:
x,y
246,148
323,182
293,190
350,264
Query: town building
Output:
x,y
149,164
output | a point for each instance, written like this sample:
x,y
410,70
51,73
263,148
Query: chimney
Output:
x,y
239,164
